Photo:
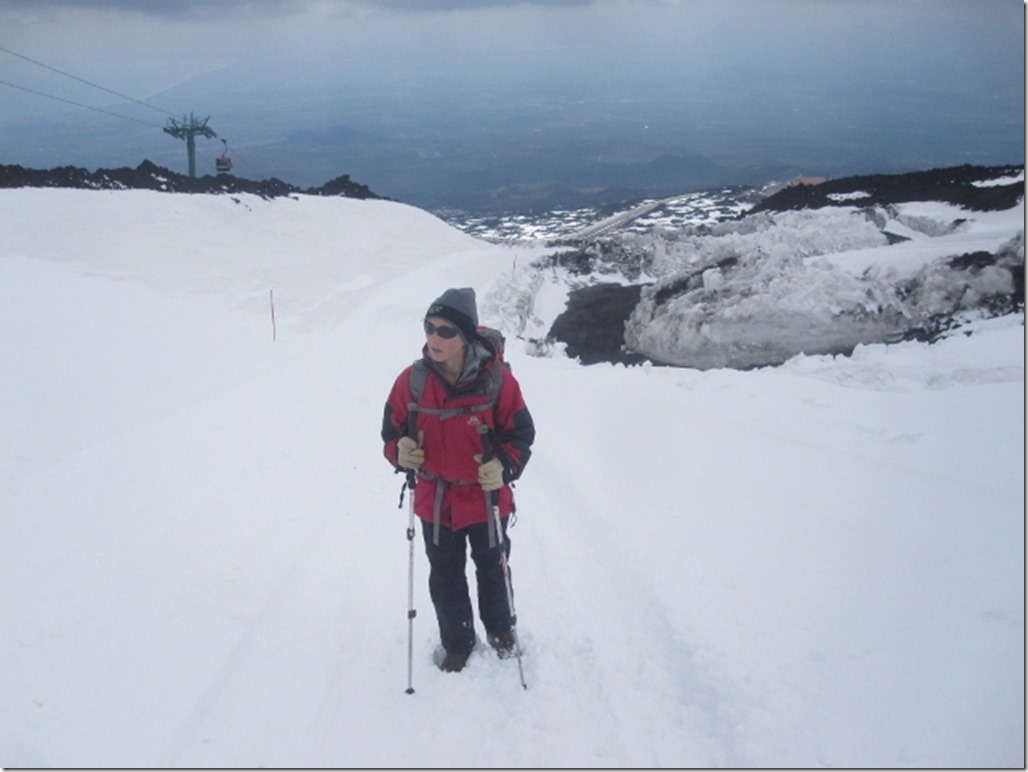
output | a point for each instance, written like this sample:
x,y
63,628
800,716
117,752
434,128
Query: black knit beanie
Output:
x,y
457,306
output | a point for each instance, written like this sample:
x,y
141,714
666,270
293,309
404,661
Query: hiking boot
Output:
x,y
504,643
454,661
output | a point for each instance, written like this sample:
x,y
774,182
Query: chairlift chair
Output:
x,y
223,164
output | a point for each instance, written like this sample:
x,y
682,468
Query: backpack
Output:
x,y
419,375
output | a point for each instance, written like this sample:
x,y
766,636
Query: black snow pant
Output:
x,y
448,584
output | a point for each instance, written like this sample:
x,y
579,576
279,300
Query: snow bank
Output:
x,y
762,311
759,291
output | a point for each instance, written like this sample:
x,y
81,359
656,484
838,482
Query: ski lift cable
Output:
x,y
77,104
88,83
81,80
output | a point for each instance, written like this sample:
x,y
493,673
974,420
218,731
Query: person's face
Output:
x,y
443,339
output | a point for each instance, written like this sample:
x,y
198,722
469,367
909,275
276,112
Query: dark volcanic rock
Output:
x,y
149,176
593,326
953,185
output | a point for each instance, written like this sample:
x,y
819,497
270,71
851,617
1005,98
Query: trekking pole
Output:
x,y
411,612
492,509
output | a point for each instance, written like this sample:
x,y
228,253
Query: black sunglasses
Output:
x,y
445,331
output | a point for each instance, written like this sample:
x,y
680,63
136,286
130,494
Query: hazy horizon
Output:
x,y
494,105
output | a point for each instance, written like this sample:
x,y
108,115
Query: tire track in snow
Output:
x,y
590,561
191,732
299,564
622,651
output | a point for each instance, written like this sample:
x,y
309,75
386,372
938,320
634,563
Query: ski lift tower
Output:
x,y
188,130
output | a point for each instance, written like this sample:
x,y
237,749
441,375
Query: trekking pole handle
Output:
x,y
418,435
487,445
492,497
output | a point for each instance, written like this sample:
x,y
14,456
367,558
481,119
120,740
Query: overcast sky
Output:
x,y
139,47
251,62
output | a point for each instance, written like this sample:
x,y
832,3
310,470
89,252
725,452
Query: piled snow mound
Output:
x,y
758,290
762,309
992,284
807,233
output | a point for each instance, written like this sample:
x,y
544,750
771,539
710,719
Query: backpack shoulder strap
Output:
x,y
418,379
495,382
494,337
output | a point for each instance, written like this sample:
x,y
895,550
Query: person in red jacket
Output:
x,y
458,421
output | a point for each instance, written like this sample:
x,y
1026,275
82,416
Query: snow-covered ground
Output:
x,y
820,564
563,224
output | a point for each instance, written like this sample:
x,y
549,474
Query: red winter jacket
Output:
x,y
451,441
